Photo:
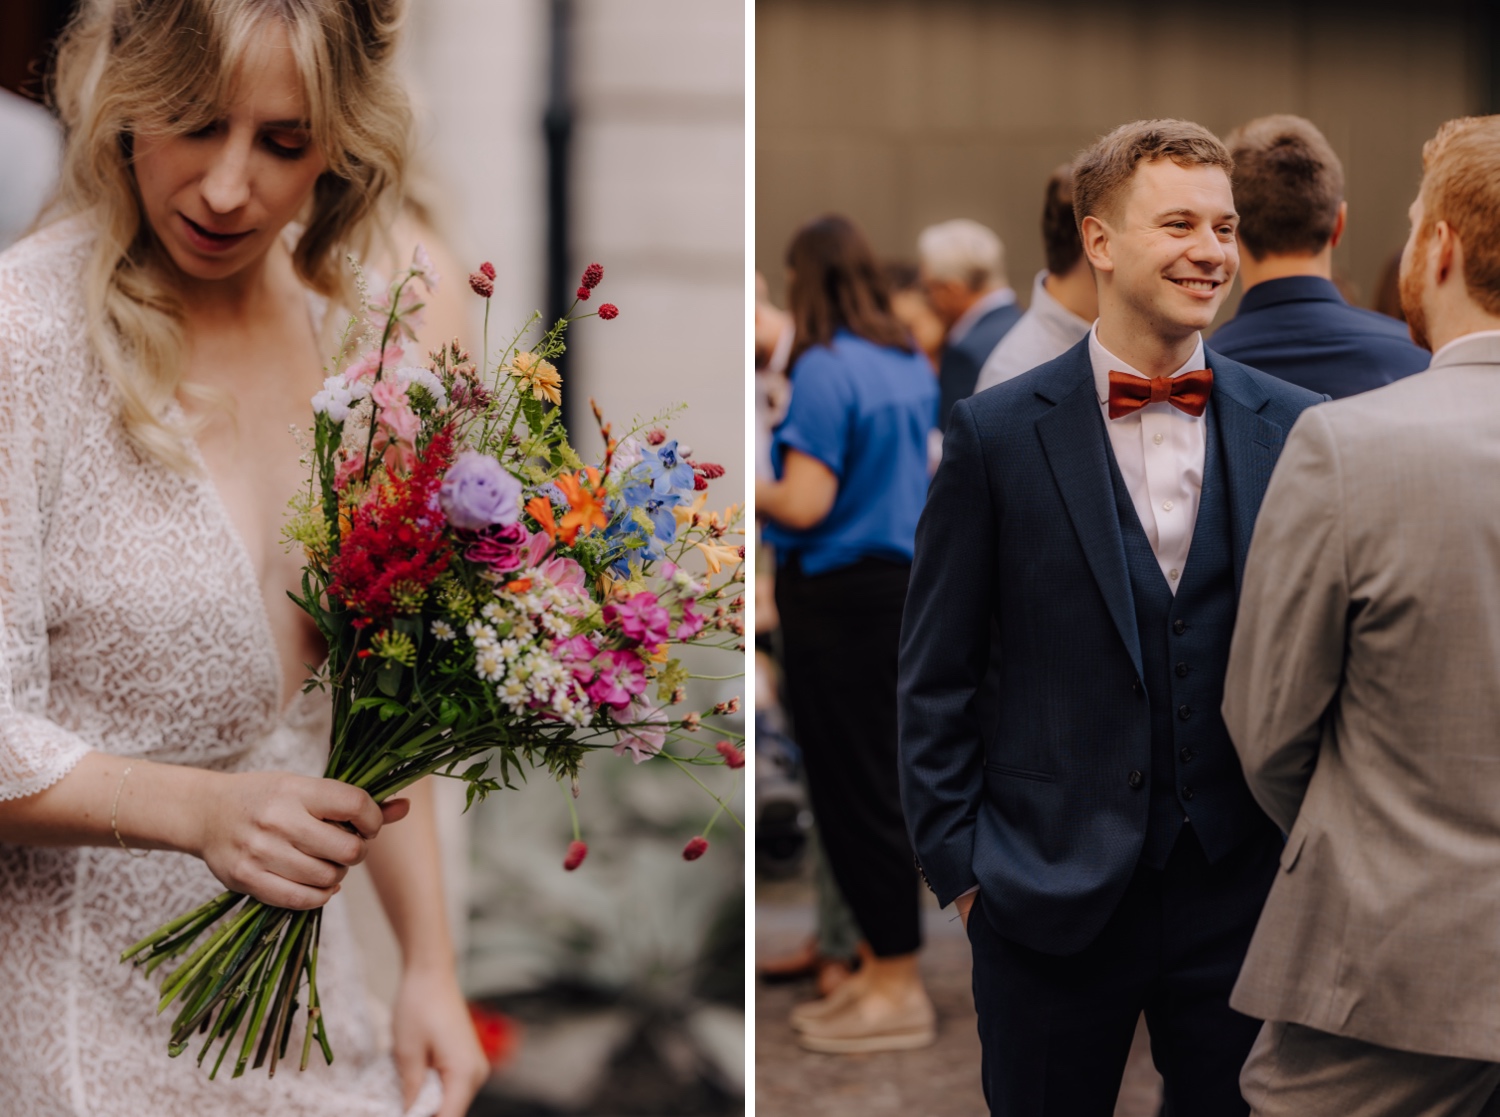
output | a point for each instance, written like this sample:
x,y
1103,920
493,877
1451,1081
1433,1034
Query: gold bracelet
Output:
x,y
114,811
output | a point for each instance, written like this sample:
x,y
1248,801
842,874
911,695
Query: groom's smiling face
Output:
x,y
1170,246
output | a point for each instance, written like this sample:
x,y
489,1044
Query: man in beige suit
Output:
x,y
1363,696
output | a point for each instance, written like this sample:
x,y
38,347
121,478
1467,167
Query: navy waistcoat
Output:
x,y
1184,654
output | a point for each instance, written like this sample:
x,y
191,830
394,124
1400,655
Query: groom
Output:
x,y
1066,775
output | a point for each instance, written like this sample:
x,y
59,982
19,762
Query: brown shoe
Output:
x,y
873,1023
800,963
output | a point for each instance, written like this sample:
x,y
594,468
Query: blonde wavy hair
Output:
x,y
166,66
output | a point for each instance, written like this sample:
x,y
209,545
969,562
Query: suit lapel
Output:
x,y
1073,439
1251,444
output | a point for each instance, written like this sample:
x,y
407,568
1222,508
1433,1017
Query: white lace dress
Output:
x,y
134,625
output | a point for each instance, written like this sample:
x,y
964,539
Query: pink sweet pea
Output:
x,y
640,618
691,623
645,738
395,414
372,360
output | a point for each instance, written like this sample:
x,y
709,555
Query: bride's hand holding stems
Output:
x,y
279,837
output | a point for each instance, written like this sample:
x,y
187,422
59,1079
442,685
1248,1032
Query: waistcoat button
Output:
x,y
1182,670
1184,712
1136,781
1187,792
1179,626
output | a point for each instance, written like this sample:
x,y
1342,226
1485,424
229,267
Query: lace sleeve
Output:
x,y
35,752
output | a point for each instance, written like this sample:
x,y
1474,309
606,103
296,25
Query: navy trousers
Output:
x,y
1057,1029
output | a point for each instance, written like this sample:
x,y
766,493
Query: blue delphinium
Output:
x,y
624,524
669,472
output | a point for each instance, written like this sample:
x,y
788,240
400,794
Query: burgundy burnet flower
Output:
x,y
709,469
583,293
732,756
481,284
697,846
656,436
487,269
608,311
592,275
577,851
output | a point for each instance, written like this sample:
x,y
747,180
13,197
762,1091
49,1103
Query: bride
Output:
x,y
156,343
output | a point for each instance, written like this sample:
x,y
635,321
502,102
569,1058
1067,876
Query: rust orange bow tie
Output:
x,y
1188,392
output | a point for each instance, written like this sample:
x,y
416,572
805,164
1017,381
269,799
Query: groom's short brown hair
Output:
x,y
1461,185
1103,172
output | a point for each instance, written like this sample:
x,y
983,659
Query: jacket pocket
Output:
x,y
1020,773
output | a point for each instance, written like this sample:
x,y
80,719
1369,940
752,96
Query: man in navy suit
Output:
x,y
1066,775
1292,321
961,265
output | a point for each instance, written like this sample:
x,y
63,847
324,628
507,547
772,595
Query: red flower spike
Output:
x,y
394,542
700,482
656,436
577,851
481,284
582,293
732,756
710,470
487,270
695,848
608,311
592,275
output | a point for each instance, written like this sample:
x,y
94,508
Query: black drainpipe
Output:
x,y
557,125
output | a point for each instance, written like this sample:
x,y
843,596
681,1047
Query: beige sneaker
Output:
x,y
873,1023
851,989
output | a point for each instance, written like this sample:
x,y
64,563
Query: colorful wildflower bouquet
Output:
x,y
490,604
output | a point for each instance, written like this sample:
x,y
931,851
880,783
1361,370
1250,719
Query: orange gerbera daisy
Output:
x,y
587,509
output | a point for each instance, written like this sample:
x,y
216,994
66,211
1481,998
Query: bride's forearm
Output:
x,y
153,807
406,869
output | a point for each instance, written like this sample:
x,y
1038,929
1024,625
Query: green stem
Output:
x,y
723,805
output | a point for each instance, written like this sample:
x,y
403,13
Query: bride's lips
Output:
x,y
206,240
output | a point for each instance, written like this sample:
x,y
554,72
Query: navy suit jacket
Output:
x,y
1020,712
958,371
1301,330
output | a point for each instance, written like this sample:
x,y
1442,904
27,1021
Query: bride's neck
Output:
x,y
242,298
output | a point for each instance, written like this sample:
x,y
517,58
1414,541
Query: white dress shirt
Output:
x,y
1047,330
1160,452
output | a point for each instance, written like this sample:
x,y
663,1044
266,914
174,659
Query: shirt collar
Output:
x,y
1475,336
1287,289
990,300
1045,306
1104,361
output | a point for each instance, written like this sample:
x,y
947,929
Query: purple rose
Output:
x,y
478,493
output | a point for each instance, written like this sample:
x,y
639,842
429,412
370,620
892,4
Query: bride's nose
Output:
x,y
226,183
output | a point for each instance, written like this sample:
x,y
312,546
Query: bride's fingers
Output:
x,y
394,810
282,893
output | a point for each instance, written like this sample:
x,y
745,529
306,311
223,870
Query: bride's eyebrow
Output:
x,y
288,125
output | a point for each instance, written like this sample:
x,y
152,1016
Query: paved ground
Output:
x,y
940,1081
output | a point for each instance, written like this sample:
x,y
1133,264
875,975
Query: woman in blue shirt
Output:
x,y
851,477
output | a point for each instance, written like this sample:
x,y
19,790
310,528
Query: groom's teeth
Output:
x,y
1197,284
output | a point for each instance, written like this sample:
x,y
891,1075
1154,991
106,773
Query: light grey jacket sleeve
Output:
x,y
1287,657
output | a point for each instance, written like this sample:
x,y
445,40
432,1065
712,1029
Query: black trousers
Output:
x,y
1056,1030
840,633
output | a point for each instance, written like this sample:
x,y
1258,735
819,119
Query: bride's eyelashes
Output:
x,y
277,147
